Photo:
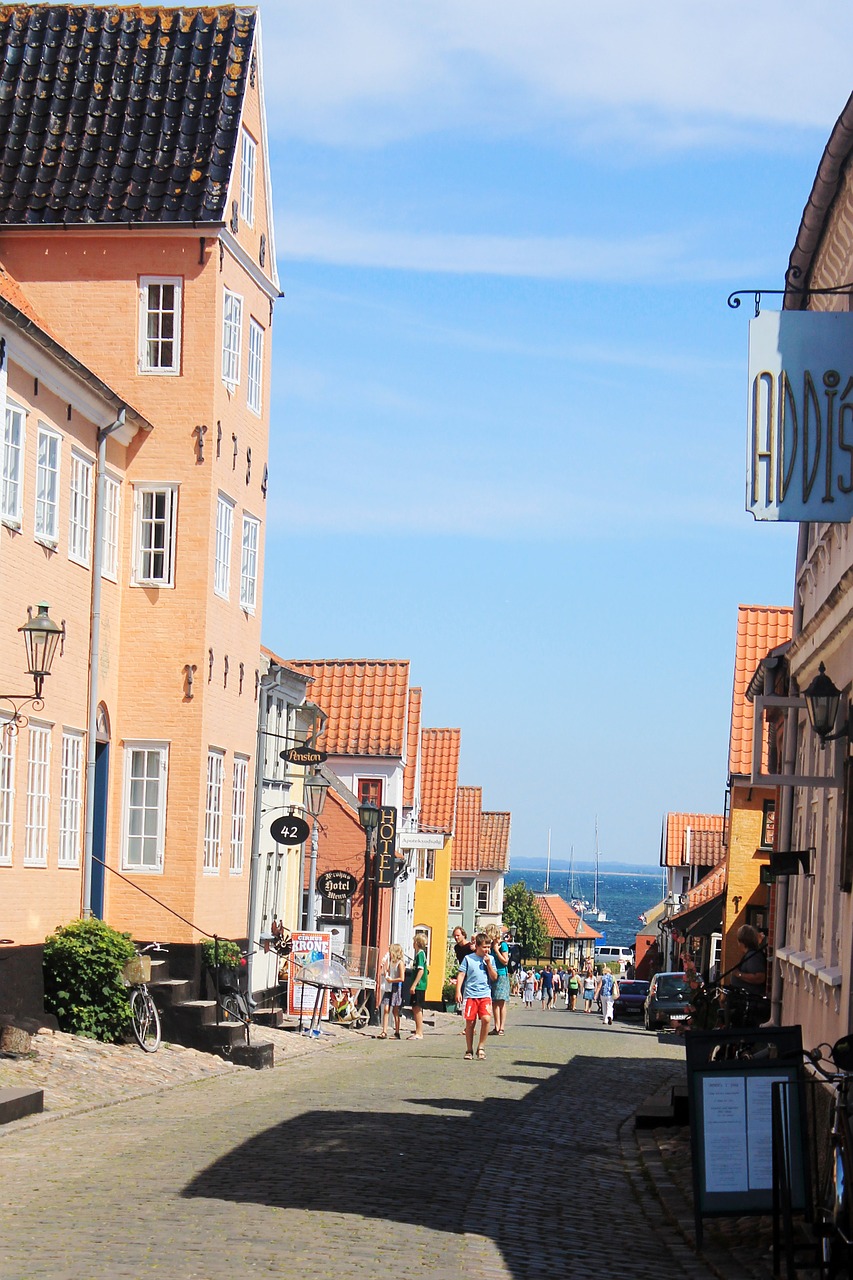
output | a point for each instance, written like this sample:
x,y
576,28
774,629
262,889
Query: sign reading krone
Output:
x,y
800,452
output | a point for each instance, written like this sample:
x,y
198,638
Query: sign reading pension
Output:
x,y
800,451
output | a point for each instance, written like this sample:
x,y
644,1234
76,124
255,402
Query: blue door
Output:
x,y
99,827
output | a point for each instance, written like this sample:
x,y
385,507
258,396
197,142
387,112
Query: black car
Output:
x,y
667,1002
632,997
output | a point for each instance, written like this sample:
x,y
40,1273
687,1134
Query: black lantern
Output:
x,y
368,816
315,794
822,699
41,636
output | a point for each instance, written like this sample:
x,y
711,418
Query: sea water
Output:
x,y
624,896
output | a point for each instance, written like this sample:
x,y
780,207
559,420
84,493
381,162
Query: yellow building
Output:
x,y
439,777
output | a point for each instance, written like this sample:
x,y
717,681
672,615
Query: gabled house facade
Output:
x,y
479,863
136,215
691,844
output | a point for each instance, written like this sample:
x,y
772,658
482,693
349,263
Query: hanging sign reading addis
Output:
x,y
800,451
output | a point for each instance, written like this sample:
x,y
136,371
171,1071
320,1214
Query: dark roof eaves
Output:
x,y
822,196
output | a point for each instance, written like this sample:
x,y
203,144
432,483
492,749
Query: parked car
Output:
x,y
667,1001
632,997
607,954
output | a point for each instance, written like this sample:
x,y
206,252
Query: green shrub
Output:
x,y
229,954
83,985
451,968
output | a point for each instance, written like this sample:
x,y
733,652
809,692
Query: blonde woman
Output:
x,y
419,985
392,972
499,951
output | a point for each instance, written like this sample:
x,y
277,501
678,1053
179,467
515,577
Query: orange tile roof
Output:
x,y
466,840
672,851
561,920
706,848
494,841
760,628
413,733
11,290
710,887
365,700
439,778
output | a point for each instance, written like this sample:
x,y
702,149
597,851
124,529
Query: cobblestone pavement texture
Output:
x,y
400,1157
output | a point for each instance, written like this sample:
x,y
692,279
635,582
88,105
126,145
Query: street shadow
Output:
x,y
438,1171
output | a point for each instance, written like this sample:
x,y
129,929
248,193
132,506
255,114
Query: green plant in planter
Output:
x,y
83,985
451,968
229,953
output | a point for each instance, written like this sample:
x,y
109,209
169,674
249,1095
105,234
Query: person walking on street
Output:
x,y
606,990
499,952
473,982
572,990
528,990
588,991
419,985
392,973
547,987
461,945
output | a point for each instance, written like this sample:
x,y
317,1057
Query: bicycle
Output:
x,y
144,1017
834,1210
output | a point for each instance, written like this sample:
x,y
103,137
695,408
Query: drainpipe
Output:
x,y
94,658
786,804
267,683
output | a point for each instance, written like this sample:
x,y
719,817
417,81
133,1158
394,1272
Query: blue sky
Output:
x,y
509,398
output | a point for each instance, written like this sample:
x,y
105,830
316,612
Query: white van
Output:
x,y
606,954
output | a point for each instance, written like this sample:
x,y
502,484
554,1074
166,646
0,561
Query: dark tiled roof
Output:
x,y
119,113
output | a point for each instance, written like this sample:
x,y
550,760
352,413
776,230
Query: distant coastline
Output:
x,y
584,868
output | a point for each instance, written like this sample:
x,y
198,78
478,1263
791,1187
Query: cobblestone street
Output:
x,y
377,1156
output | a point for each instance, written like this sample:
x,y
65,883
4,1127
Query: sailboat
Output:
x,y
597,912
578,904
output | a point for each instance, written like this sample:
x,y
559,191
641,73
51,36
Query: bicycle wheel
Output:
x,y
145,1020
834,1215
231,1008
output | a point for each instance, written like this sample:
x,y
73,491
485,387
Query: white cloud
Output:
x,y
672,73
676,256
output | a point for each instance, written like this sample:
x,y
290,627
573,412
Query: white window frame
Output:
x,y
255,368
112,528
427,931
70,798
248,171
232,338
426,864
213,811
455,893
80,509
12,483
38,794
7,794
239,788
558,949
169,520
147,312
46,524
222,546
481,886
250,547
157,755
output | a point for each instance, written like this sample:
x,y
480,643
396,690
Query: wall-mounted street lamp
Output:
x,y
41,636
315,797
822,702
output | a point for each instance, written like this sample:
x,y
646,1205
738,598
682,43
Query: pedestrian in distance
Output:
x,y
606,990
588,991
419,985
528,990
574,987
461,945
473,983
392,971
547,987
499,952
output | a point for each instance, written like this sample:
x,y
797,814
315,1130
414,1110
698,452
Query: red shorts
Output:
x,y
478,1008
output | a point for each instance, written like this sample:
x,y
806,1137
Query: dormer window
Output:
x,y
160,324
248,155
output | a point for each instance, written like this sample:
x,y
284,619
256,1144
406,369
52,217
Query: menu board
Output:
x,y
307,948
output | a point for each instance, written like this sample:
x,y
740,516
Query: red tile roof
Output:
x,y
673,852
439,778
760,628
365,700
706,848
494,841
561,920
711,886
466,840
413,733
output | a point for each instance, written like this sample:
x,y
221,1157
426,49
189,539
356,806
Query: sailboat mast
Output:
x,y
548,867
595,892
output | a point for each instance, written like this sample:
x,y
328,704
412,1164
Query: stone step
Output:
x,y
260,1056
170,992
223,1033
655,1113
193,1013
17,1103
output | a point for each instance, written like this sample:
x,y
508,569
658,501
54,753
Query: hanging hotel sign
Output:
x,y
386,839
303,755
337,886
800,450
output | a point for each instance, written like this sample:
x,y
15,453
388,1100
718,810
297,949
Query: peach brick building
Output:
x,y
143,232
